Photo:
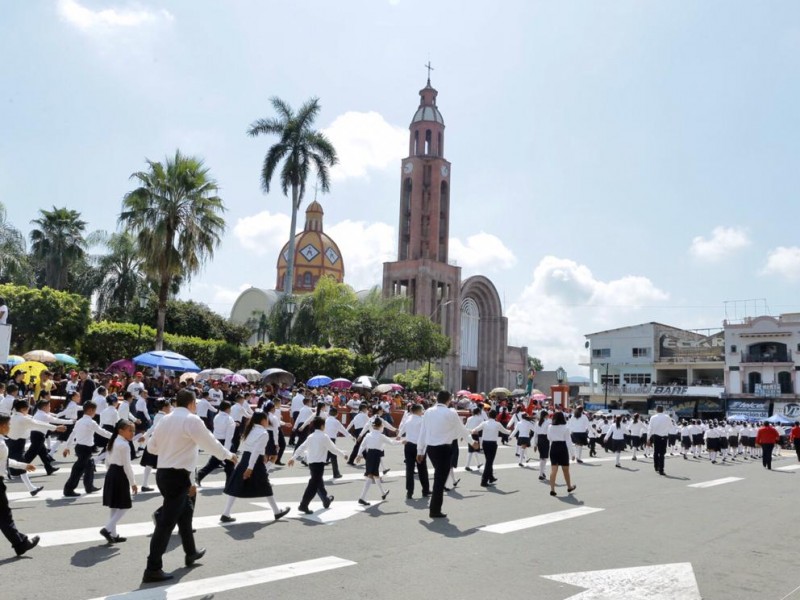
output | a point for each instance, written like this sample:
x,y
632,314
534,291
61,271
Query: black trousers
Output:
x,y
354,453
7,526
237,437
294,420
766,455
489,451
213,464
410,451
659,451
797,447
334,460
37,448
316,485
16,450
281,444
177,509
83,467
440,458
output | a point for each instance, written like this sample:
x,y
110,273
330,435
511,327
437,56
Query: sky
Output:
x,y
613,162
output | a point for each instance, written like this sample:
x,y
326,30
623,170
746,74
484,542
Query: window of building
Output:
x,y
641,352
307,280
637,378
601,352
609,379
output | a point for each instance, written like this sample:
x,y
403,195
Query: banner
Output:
x,y
790,410
758,409
682,407
698,391
5,343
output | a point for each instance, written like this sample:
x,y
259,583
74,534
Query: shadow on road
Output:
x,y
446,528
89,557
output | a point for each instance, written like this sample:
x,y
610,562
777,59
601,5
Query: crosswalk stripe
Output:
x,y
788,468
546,519
214,585
715,482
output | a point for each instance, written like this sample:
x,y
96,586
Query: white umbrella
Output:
x,y
278,376
214,374
249,374
40,356
365,382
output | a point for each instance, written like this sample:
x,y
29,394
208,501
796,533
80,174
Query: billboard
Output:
x,y
757,409
790,410
688,346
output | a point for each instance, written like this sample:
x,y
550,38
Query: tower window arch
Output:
x,y
439,148
428,138
307,279
416,142
470,325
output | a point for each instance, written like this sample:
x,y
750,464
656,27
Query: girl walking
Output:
x,y
615,439
315,449
561,449
119,481
541,442
491,430
372,451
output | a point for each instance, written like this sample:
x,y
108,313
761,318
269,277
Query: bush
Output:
x,y
306,361
423,379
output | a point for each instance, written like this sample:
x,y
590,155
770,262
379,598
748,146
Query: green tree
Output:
x,y
123,278
535,364
301,149
421,379
13,256
57,245
176,217
195,319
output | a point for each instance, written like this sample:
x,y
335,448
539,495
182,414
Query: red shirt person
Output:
x,y
795,437
767,437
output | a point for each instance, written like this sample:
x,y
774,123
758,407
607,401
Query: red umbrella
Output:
x,y
122,364
463,393
340,384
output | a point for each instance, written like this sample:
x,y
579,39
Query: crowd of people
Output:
x,y
163,422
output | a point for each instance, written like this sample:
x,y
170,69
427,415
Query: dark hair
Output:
x,y
4,419
317,423
320,406
476,411
161,403
184,398
559,418
493,414
416,407
363,406
21,404
542,417
636,418
121,424
257,419
377,422
101,390
443,397
12,388
89,406
269,406
618,421
224,405
659,408
578,412
42,402
333,411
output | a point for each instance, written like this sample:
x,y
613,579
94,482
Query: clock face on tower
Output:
x,y
408,167
444,170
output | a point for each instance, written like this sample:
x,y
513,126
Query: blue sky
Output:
x,y
613,162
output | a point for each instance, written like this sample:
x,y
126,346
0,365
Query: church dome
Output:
x,y
428,113
316,255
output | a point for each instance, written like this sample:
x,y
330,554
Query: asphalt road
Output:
x,y
734,539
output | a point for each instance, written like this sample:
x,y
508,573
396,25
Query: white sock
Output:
x,y
523,456
469,459
367,483
580,452
542,464
380,487
27,481
114,518
229,506
634,453
273,505
146,478
617,455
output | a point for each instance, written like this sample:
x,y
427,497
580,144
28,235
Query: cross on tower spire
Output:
x,y
430,68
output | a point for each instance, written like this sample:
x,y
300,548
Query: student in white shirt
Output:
x,y
316,449
523,430
372,451
333,429
490,430
541,443
119,481
205,410
636,429
150,460
21,426
19,541
357,424
578,426
561,449
615,438
472,422
38,438
82,439
224,428
411,428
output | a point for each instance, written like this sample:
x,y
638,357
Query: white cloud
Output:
x,y
264,233
724,242
481,252
365,247
87,19
365,141
565,301
784,262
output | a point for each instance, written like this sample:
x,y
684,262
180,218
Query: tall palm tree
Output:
x,y
301,149
57,244
13,257
176,217
123,276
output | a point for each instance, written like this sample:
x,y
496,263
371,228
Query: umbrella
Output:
x,y
463,393
539,397
122,364
475,397
386,388
218,373
779,419
738,418
66,359
235,378
518,392
249,374
500,391
318,381
340,384
165,359
40,356
187,376
14,360
31,368
365,382
278,376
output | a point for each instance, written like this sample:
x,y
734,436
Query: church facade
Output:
x,y
469,312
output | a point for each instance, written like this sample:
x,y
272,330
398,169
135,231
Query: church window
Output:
x,y
416,142
470,326
307,280
439,149
427,141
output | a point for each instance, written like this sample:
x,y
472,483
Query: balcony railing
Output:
x,y
776,357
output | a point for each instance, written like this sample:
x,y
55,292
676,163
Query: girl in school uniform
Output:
x,y
541,442
490,430
579,426
274,424
561,449
149,460
637,428
615,439
119,481
523,429
472,422
316,449
686,440
250,478
712,443
372,451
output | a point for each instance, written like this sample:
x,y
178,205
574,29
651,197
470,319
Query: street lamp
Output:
x,y
289,307
143,299
561,375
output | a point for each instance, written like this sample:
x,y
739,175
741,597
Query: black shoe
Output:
x,y
146,488
305,510
194,557
492,479
53,470
280,464
486,485
327,503
579,461
284,512
447,489
363,502
543,478
92,490
572,489
409,495
29,544
118,539
71,494
455,483
227,519
470,468
155,576
437,516
339,476
553,493
425,494
352,464
385,471
106,534
661,473
35,491
386,493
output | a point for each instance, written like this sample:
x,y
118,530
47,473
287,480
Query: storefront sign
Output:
x,y
691,346
750,408
701,391
790,410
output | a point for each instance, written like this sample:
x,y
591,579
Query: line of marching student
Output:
x,y
176,433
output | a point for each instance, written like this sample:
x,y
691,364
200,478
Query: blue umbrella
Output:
x,y
15,360
164,359
319,381
66,359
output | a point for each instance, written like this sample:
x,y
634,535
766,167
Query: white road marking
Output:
x,y
546,519
715,482
214,585
338,511
788,468
656,582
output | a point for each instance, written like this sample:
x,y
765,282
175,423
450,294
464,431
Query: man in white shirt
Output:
x,y
657,434
411,428
175,441
440,426
297,405
215,395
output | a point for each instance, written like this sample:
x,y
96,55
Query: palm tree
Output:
x,y
13,257
302,149
57,244
176,217
123,277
